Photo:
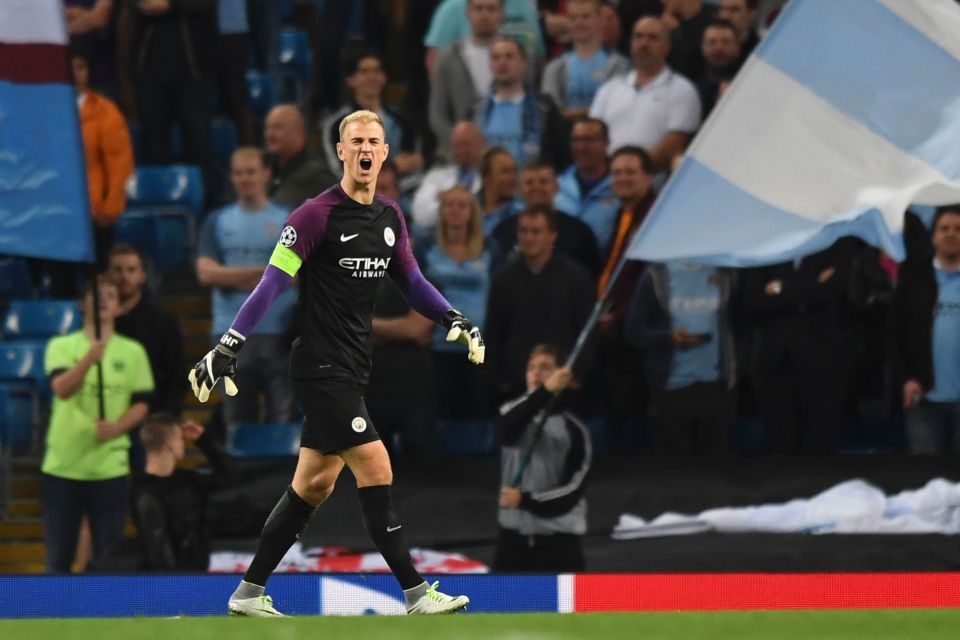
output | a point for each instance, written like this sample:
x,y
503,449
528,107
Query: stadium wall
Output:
x,y
361,594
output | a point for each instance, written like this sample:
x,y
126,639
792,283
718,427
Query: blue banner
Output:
x,y
90,596
44,204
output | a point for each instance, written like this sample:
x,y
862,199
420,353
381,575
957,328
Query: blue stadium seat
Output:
x,y
260,92
16,419
174,185
15,279
294,62
40,318
21,365
223,140
164,236
254,440
294,52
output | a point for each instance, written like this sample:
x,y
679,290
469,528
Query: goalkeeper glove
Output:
x,y
461,329
220,362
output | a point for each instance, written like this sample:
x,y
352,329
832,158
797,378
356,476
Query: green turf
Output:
x,y
750,625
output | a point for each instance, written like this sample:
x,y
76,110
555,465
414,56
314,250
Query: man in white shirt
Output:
x,y
466,147
462,74
652,107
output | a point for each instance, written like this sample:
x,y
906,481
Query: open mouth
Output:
x,y
366,164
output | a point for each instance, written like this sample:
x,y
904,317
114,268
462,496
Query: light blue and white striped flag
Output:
x,y
848,112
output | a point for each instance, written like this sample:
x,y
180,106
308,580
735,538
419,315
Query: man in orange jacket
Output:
x,y
108,153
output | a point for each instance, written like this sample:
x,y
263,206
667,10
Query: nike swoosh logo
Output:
x,y
346,238
392,529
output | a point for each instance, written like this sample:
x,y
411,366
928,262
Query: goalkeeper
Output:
x,y
339,244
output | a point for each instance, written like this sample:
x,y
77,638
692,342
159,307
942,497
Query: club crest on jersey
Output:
x,y
358,424
365,267
388,236
288,237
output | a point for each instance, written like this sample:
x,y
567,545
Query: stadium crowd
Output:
x,y
528,141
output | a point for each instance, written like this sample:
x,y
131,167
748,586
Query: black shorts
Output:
x,y
336,416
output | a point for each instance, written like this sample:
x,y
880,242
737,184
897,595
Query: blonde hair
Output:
x,y
363,116
475,229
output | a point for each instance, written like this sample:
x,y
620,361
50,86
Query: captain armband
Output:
x,y
286,260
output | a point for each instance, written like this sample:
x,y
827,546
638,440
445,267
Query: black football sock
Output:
x,y
383,525
284,526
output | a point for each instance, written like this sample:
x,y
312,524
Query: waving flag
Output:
x,y
44,206
848,112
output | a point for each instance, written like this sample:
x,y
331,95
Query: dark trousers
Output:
x,y
692,420
232,83
65,502
802,411
161,103
933,428
558,552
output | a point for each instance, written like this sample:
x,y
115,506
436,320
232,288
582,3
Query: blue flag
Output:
x,y
44,204
847,112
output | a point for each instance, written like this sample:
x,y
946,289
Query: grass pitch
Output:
x,y
909,624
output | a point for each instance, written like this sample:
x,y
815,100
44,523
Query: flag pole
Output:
x,y
601,306
96,335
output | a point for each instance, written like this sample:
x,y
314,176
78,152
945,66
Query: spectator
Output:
x,y
624,387
172,57
871,398
528,125
168,505
538,186
462,74
585,186
651,107
572,79
543,516
295,173
460,264
629,11
233,249
85,465
366,81
388,184
721,59
90,25
264,18
450,23
108,154
466,146
686,20
796,306
611,27
928,340
400,395
143,319
541,297
498,195
742,14
680,320
233,54
630,180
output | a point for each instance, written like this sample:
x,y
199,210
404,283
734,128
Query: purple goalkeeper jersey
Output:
x,y
346,248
